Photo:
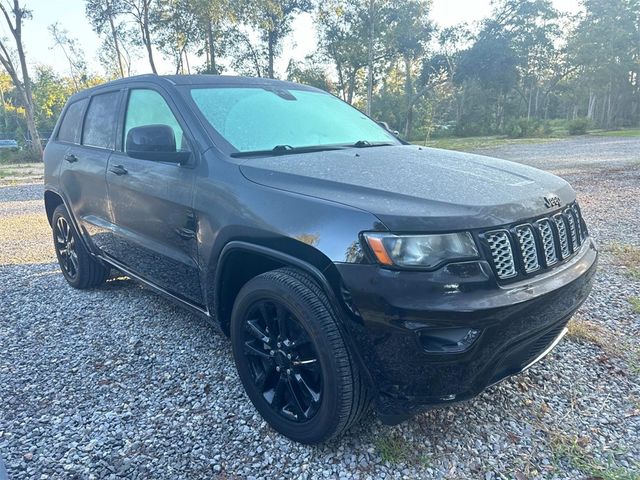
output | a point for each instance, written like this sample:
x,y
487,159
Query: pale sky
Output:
x,y
302,41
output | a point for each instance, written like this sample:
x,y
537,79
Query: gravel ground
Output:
x,y
118,383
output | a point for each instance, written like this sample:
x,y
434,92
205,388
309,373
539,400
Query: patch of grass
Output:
x,y
585,331
582,330
627,256
479,143
574,450
394,449
635,303
21,172
632,132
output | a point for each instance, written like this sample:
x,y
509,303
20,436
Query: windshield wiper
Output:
x,y
367,143
287,150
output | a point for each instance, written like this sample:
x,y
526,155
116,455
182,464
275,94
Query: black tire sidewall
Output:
x,y
325,421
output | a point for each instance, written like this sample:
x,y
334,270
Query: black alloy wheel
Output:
x,y
65,246
79,267
283,362
292,357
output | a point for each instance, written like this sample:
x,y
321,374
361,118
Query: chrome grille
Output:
x,y
562,234
502,254
528,248
576,213
547,242
573,230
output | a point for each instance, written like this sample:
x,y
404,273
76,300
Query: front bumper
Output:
x,y
394,310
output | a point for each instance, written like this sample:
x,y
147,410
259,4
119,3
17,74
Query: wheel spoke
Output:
x,y
296,401
263,379
60,238
74,261
256,331
281,317
300,338
249,349
309,392
267,317
278,394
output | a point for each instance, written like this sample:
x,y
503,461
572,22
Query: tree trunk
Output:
x,y
270,53
116,44
370,57
146,36
25,88
212,50
592,105
351,86
408,96
186,61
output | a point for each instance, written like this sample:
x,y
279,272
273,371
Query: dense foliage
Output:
x,y
512,73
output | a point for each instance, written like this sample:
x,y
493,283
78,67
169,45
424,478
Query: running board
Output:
x,y
154,287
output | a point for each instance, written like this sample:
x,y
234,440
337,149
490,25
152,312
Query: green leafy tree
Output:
x,y
106,19
14,16
606,48
271,20
72,52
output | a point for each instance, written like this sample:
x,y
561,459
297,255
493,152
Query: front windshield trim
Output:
x,y
221,144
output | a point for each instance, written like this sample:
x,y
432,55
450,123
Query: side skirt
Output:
x,y
174,298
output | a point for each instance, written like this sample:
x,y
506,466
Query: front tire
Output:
x,y
292,359
79,268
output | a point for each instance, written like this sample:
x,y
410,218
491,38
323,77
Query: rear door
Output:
x,y
152,203
85,139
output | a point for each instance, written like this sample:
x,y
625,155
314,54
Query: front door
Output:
x,y
151,203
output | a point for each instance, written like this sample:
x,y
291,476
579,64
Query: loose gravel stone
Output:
x,y
118,383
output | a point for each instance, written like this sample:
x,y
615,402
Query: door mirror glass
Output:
x,y
154,142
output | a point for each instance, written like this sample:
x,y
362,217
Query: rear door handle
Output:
x,y
71,158
118,170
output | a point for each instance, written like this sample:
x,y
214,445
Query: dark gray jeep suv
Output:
x,y
349,268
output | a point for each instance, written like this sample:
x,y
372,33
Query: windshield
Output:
x,y
259,119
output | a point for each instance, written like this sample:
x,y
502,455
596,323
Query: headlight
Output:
x,y
424,251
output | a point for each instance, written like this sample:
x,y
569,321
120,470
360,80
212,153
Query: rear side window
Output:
x,y
100,121
72,122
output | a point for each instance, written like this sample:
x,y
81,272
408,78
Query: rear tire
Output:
x,y
80,269
292,359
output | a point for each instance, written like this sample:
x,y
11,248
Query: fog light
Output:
x,y
447,340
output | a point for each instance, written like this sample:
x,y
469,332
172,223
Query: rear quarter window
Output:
x,y
100,121
71,125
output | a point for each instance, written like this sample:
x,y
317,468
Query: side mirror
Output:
x,y
154,142
386,126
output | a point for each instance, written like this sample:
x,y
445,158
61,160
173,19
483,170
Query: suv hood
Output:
x,y
412,188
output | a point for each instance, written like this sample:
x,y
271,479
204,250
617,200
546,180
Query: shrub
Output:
x,y
524,128
25,155
578,126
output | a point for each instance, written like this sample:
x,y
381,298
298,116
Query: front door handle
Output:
x,y
118,170
71,158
